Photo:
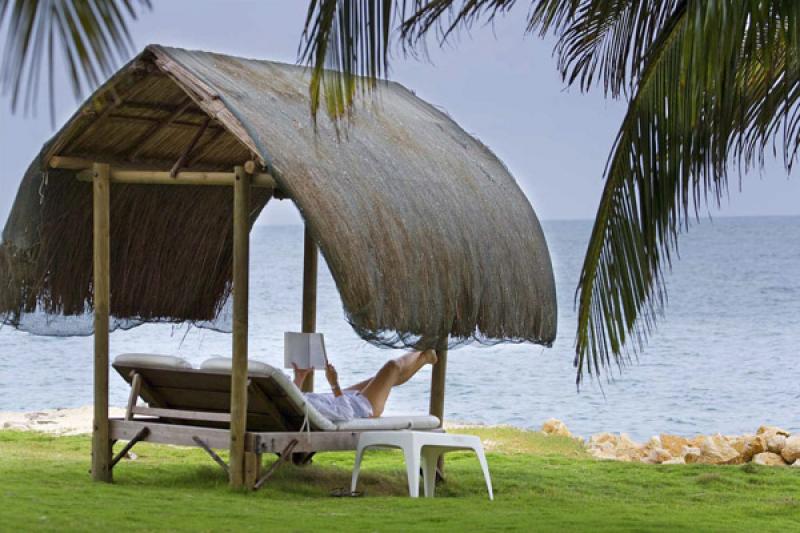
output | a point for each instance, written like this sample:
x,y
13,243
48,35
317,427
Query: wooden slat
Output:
x,y
178,435
180,414
136,389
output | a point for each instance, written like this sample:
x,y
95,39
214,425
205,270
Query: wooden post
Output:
x,y
309,322
101,442
241,267
438,383
437,396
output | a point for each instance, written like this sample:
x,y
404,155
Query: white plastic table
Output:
x,y
420,448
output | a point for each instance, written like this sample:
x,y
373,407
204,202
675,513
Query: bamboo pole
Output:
x,y
101,442
241,266
155,177
309,319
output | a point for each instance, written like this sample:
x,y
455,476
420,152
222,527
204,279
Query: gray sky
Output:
x,y
499,85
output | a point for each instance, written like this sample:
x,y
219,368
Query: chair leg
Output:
x,y
430,460
412,456
485,467
356,468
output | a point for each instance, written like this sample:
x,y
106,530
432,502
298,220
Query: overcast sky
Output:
x,y
499,85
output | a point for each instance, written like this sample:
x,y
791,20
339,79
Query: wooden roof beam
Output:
x,y
146,138
150,177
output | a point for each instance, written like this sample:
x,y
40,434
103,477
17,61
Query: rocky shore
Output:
x,y
771,446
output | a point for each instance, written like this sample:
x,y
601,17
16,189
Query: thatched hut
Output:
x,y
428,237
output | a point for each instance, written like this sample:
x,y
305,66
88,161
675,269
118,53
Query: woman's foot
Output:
x,y
430,357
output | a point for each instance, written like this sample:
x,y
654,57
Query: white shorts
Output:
x,y
350,405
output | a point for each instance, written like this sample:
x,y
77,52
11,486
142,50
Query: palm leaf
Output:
x,y
92,36
720,83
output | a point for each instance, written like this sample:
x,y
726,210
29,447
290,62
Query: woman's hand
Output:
x,y
333,379
300,374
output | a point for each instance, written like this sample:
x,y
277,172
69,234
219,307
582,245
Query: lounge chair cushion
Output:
x,y
389,423
277,385
226,363
151,360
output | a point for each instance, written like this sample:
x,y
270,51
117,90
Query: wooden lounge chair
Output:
x,y
191,406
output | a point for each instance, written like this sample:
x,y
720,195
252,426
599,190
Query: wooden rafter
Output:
x,y
205,147
145,138
188,151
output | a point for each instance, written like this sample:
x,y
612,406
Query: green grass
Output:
x,y
541,483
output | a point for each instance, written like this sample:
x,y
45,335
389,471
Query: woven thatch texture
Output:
x,y
426,233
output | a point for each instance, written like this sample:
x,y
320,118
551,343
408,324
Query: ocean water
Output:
x,y
723,359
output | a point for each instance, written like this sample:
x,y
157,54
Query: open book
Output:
x,y
306,350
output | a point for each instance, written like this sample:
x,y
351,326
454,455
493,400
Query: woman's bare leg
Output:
x,y
360,385
394,372
409,365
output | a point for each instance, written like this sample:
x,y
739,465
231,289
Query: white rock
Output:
x,y
768,459
554,426
776,442
791,450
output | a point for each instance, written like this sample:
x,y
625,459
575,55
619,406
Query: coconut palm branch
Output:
x,y
91,35
710,84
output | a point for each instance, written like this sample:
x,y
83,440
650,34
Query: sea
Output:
x,y
724,358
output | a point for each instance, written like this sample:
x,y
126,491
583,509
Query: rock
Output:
x,y
772,430
796,464
673,444
659,456
654,442
716,451
791,450
675,461
601,438
753,444
556,427
768,459
776,442
691,454
629,450
604,450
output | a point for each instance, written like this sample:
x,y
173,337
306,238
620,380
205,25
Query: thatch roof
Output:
x,y
424,230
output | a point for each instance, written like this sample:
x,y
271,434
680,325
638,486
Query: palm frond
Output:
x,y
91,35
602,41
720,83
347,45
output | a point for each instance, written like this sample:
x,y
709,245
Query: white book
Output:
x,y
306,350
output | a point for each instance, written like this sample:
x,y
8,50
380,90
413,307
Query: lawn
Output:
x,y
541,483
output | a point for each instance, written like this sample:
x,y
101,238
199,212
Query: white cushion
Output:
x,y
151,360
226,363
390,423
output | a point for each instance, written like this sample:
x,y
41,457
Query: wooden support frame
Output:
x,y
158,177
284,457
101,440
217,459
309,318
152,177
241,285
141,435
